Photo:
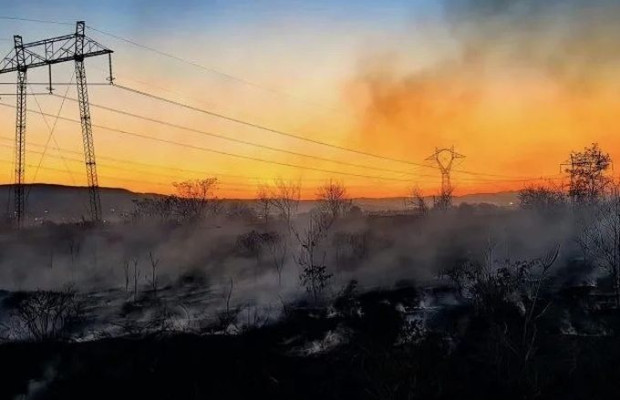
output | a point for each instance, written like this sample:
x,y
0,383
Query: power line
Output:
x,y
43,21
232,119
229,186
265,128
217,72
106,166
210,69
253,144
206,149
166,167
296,136
139,135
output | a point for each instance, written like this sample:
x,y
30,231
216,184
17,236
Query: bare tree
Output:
x,y
278,246
49,315
587,170
264,202
195,197
543,198
600,239
228,315
314,276
443,201
136,275
285,197
154,262
126,271
416,202
494,286
333,199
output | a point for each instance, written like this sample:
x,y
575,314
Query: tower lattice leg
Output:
x,y
89,146
20,149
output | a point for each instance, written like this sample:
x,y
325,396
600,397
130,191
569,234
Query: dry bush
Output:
x,y
333,199
415,201
48,315
314,276
283,196
193,201
588,174
263,203
542,198
277,246
195,198
599,239
443,202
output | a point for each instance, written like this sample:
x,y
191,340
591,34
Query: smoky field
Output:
x,y
127,273
186,296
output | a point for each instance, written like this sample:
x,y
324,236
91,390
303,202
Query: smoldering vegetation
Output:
x,y
188,298
234,259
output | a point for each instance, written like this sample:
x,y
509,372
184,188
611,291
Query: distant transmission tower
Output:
x,y
444,158
74,47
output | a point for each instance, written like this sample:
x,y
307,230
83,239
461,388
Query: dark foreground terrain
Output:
x,y
361,347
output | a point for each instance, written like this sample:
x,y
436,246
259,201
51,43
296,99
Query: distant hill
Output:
x,y
63,203
68,203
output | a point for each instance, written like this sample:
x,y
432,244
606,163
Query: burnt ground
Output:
x,y
362,347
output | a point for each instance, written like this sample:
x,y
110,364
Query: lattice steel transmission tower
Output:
x,y
24,56
444,158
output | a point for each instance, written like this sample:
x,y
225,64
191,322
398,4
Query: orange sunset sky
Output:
x,y
513,85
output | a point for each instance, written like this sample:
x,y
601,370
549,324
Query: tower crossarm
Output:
x,y
52,51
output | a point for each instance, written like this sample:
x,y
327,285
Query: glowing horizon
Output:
x,y
514,86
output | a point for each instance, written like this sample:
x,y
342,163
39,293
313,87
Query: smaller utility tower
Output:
x,y
444,158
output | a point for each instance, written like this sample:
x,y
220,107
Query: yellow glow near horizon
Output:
x,y
516,123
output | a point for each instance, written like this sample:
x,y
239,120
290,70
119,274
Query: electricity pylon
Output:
x,y
24,56
444,158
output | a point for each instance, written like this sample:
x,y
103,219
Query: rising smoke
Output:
x,y
535,73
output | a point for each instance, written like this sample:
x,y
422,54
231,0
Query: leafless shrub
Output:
x,y
154,263
136,276
195,197
600,239
587,171
492,286
192,202
542,198
314,276
277,247
416,202
284,197
443,202
333,200
228,316
126,274
47,315
264,203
